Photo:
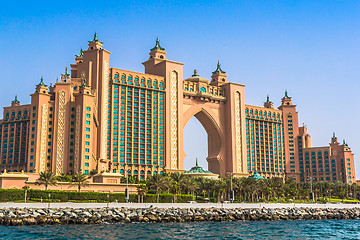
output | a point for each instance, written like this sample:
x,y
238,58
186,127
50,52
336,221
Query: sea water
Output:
x,y
300,229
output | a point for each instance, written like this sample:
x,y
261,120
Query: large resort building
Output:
x,y
115,120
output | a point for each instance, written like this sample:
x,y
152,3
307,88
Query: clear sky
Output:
x,y
310,48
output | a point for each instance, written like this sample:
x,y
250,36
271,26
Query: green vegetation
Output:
x,y
17,195
47,179
177,187
80,180
251,190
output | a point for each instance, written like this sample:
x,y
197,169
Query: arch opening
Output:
x,y
211,135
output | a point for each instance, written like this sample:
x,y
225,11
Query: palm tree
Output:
x,y
141,191
189,184
46,178
176,181
168,182
80,180
26,188
63,177
157,183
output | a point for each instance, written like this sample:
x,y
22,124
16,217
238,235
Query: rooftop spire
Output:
x,y
268,99
15,100
65,73
41,82
334,136
196,164
286,95
95,39
157,45
218,68
84,82
80,54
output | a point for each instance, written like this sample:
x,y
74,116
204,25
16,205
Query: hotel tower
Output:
x,y
110,119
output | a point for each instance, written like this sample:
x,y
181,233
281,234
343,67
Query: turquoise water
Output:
x,y
320,229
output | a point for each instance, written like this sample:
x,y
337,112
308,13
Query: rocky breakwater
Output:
x,y
29,216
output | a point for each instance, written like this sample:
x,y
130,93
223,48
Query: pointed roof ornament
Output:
x,y
286,95
84,82
196,164
80,53
195,73
65,73
41,82
15,100
334,136
218,69
268,99
95,39
157,45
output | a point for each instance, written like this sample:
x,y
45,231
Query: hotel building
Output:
x,y
115,120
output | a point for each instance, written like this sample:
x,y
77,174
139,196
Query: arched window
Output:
x,y
202,89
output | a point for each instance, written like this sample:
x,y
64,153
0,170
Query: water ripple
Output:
x,y
317,229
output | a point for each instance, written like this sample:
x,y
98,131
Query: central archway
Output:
x,y
214,136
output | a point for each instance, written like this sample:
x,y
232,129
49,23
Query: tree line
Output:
x,y
223,189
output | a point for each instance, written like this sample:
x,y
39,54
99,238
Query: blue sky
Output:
x,y
310,48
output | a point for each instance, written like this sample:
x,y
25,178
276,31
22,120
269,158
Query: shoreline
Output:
x,y
43,216
4,205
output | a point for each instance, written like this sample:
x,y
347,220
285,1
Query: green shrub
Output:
x,y
7,195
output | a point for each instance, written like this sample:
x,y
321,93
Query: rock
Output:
x,y
152,217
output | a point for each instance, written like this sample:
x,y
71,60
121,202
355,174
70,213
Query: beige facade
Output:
x,y
114,120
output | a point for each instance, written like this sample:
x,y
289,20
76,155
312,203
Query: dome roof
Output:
x,y
198,171
256,176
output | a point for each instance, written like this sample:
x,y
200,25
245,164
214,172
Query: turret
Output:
x,y
65,77
334,138
79,57
95,43
41,87
286,100
268,103
157,51
84,88
219,76
15,102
